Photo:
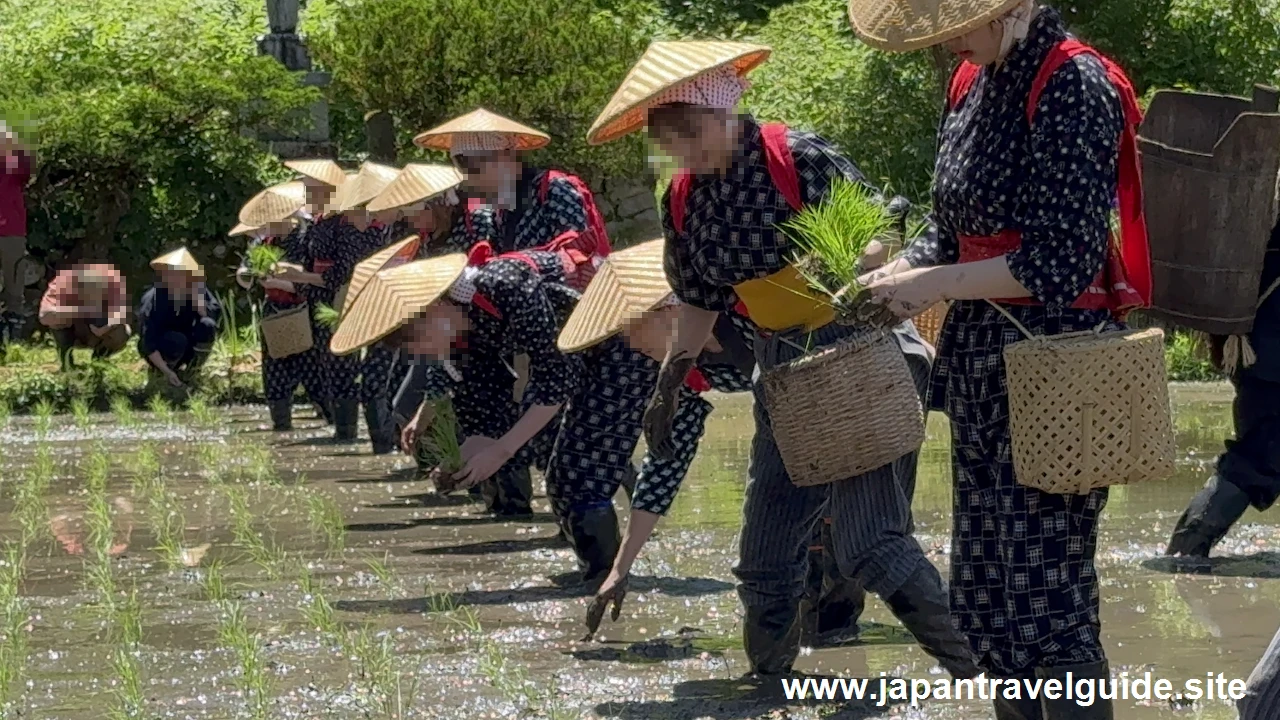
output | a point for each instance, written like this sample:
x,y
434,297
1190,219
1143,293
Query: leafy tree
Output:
x,y
552,64
141,112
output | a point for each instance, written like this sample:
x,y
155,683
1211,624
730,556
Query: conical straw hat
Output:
x,y
276,203
326,171
393,255
665,65
392,298
628,284
363,186
180,259
902,25
242,229
415,183
482,121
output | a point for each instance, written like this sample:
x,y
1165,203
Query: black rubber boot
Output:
x,y
1022,709
346,420
382,436
510,492
771,637
1208,518
281,415
833,604
324,411
1065,709
595,537
921,604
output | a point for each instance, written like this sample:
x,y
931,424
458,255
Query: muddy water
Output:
x,y
511,650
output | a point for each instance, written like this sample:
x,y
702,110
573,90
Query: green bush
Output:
x,y
551,64
1186,359
141,112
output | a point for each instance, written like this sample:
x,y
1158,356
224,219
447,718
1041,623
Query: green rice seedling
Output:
x,y
379,670
261,466
122,409
99,570
80,412
97,467
43,412
14,620
168,525
327,316
43,468
253,679
209,456
439,446
316,607
202,412
261,259
325,518
162,409
145,470
832,236
127,632
263,551
214,583
381,570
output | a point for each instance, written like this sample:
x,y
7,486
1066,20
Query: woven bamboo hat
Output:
x,y
180,259
363,186
275,204
326,171
392,298
663,66
393,255
628,284
902,25
417,182
506,131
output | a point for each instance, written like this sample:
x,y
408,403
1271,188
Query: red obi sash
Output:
x,y
1125,280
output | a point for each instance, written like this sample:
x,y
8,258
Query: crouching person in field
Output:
x,y
85,307
178,318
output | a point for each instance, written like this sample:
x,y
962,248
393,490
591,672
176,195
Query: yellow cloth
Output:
x,y
783,301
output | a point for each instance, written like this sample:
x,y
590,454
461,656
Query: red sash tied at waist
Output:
x,y
283,297
1111,290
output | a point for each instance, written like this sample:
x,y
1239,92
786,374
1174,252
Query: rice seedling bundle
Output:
x,y
833,235
327,316
439,446
262,259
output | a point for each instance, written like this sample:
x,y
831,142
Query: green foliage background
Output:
x,y
143,110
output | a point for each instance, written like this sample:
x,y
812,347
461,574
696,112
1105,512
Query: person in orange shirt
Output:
x,y
86,306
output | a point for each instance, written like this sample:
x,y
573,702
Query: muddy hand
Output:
x,y
609,593
660,416
864,309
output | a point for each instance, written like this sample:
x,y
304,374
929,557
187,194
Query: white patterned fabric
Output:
x,y
721,88
1016,24
467,143
464,288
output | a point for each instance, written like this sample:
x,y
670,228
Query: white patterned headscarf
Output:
x,y
1016,24
721,88
473,143
464,288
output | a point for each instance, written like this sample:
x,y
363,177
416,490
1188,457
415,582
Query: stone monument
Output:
x,y
285,45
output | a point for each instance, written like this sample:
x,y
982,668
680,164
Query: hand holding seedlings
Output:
x,y
482,458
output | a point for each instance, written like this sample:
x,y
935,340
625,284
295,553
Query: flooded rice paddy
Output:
x,y
200,566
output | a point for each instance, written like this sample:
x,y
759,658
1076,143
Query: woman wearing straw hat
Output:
x,y
1036,147
271,217
378,364
177,317
631,298
743,179
520,208
333,246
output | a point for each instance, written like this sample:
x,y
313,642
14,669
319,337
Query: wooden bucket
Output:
x,y
1210,165
845,410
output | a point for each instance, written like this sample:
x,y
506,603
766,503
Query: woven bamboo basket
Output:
x,y
845,410
929,323
1090,410
288,332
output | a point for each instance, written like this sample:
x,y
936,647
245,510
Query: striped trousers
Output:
x,y
871,514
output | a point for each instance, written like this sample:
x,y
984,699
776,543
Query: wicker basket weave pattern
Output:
x,y
929,323
844,411
1090,410
288,332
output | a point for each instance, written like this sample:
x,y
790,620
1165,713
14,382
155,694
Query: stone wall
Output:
x,y
629,209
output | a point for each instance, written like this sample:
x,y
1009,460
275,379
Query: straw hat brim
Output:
x,y
366,269
242,229
392,298
326,171
416,183
364,186
663,66
180,259
901,26
274,204
628,284
482,122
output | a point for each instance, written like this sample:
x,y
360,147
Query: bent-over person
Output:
x,y
177,318
85,306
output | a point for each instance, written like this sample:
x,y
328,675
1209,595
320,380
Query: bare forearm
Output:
x,y
639,530
980,280
158,360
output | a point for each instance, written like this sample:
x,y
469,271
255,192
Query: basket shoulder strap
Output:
x,y
781,163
